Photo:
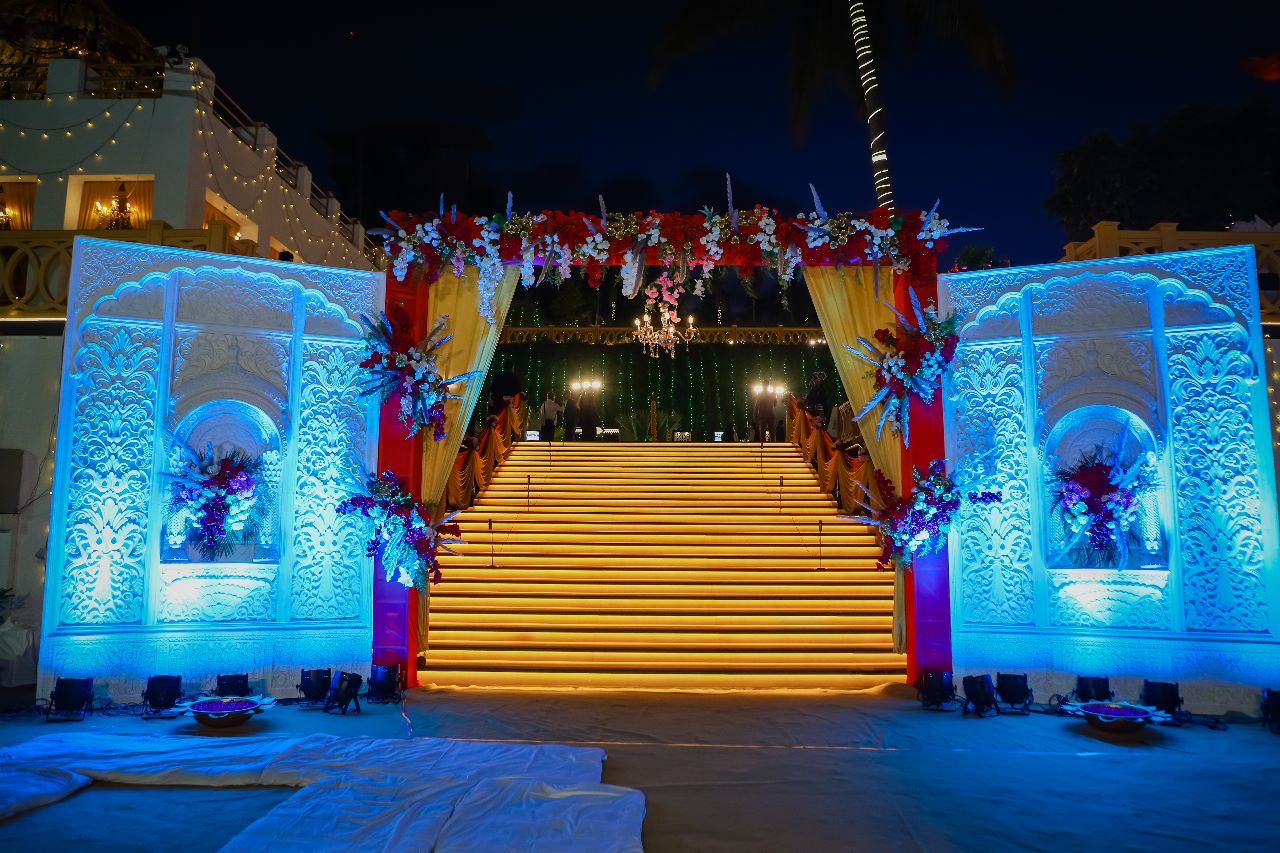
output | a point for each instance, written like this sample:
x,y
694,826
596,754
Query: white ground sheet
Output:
x,y
370,793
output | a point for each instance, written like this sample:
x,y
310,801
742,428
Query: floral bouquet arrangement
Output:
x,y
917,524
401,531
214,502
1099,499
396,368
910,359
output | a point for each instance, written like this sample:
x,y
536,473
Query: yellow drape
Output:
x,y
19,199
474,340
847,305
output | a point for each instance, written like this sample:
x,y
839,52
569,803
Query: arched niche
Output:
x,y
1126,439
225,426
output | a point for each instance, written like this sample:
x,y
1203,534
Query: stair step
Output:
x,y
698,681
661,566
707,579
624,621
847,603
693,592
441,638
652,659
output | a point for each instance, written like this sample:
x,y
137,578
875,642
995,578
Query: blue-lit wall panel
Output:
x,y
166,345
1166,351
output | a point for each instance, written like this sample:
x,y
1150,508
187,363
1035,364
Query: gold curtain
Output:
x,y
855,481
474,340
847,306
19,198
138,193
212,214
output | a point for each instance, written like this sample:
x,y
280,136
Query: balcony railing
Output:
x,y
121,80
23,82
35,266
116,80
1109,240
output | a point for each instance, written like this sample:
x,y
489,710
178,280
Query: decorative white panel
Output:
x,y
166,345
1057,358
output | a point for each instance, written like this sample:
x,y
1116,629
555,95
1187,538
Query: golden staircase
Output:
x,y
660,566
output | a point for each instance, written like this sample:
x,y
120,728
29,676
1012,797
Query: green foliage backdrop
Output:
x,y
707,385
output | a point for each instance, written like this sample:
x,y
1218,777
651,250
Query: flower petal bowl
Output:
x,y
1115,716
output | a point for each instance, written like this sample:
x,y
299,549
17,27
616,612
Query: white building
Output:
x,y
141,154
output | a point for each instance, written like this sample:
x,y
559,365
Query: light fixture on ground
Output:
x,y
1164,696
70,700
233,685
162,694
936,690
979,696
1093,688
384,684
344,689
314,687
1012,690
1271,709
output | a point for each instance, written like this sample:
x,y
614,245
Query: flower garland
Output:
x,y
910,359
402,535
395,369
1098,500
678,242
213,504
917,525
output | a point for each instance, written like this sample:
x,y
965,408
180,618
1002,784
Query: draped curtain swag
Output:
x,y
848,306
471,349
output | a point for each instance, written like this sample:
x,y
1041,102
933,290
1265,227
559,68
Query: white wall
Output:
x,y
30,368
70,137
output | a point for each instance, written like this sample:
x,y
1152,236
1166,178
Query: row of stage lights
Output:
x,y
592,384
936,691
323,689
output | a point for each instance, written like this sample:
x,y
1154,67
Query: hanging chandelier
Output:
x,y
663,337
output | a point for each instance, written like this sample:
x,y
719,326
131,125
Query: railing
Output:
x,y
123,80
1110,241
120,80
842,475
479,456
237,120
615,335
23,81
35,266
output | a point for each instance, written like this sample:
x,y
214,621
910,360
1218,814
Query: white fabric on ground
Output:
x,y
367,793
22,788
520,816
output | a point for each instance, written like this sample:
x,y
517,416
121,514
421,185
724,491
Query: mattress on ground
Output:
x,y
24,788
366,793
524,816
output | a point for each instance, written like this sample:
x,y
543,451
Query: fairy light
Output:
x,y
870,85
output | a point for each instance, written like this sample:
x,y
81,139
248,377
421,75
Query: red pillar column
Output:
x,y
395,607
928,588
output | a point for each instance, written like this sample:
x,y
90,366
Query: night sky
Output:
x,y
562,91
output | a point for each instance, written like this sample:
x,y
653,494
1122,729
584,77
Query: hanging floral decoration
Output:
x,y
408,372
1099,500
909,359
401,532
917,525
686,246
214,501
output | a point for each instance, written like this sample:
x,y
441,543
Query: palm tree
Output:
x,y
820,54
